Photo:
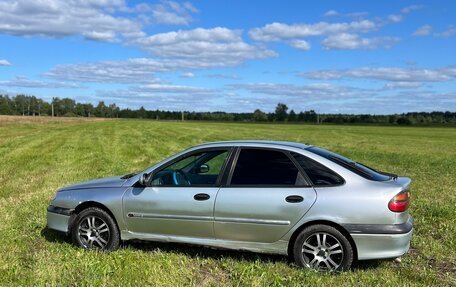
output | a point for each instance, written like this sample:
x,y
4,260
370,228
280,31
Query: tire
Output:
x,y
94,228
323,248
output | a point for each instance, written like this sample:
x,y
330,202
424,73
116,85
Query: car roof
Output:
x,y
259,143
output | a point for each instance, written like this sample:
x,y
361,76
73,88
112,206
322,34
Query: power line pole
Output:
x,y
52,106
182,115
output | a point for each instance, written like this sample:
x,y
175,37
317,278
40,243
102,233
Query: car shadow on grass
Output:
x,y
217,254
195,251
54,236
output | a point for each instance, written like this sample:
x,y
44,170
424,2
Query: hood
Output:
x,y
115,181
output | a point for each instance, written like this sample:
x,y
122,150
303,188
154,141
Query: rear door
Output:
x,y
265,196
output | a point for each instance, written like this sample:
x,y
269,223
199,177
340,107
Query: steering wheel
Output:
x,y
179,177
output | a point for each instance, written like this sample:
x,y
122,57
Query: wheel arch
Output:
x,y
86,204
340,228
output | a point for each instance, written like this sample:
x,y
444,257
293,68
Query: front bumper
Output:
x,y
378,241
58,218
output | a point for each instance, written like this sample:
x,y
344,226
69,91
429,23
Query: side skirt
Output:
x,y
278,247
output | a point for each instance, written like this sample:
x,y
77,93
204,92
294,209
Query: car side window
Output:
x,y
196,169
318,173
264,167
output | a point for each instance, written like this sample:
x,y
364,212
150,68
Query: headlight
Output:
x,y
54,196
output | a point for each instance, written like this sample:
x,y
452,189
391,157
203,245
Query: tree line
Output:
x,y
64,107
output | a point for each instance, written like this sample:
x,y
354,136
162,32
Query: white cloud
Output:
x,y
92,19
58,18
386,74
423,30
395,18
451,31
408,9
402,85
353,41
216,44
353,15
223,76
24,82
135,70
108,36
138,70
314,91
173,13
339,35
330,13
187,75
281,31
4,62
173,89
357,15
300,44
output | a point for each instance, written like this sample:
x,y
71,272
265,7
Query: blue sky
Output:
x,y
376,57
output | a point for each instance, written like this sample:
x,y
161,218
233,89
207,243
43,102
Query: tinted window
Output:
x,y
265,167
356,167
318,174
196,169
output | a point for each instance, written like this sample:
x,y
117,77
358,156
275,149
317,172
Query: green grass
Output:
x,y
37,158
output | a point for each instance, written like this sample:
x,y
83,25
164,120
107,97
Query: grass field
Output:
x,y
38,157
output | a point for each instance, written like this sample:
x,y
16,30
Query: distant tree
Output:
x,y
5,108
281,112
113,111
392,119
63,106
292,117
403,121
101,110
259,116
30,105
142,114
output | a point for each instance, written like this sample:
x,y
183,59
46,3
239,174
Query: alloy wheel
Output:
x,y
322,252
93,232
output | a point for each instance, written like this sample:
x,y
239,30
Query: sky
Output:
x,y
377,57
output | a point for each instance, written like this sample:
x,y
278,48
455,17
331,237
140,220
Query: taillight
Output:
x,y
400,202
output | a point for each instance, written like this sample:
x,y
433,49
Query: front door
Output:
x,y
265,198
180,198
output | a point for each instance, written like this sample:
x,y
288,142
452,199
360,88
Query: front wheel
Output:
x,y
94,228
323,248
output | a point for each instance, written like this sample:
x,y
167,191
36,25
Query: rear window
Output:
x,y
318,174
349,164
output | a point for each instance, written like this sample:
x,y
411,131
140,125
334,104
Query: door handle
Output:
x,y
201,196
294,198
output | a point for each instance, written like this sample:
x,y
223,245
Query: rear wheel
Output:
x,y
94,228
323,248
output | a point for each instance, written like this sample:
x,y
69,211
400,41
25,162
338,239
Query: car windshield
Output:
x,y
356,167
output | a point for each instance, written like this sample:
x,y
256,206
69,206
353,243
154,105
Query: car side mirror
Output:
x,y
144,179
203,168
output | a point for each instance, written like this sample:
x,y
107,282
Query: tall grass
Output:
x,y
38,157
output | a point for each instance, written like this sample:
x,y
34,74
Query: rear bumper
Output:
x,y
378,241
58,218
377,246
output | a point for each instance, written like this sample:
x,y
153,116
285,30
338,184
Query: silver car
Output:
x,y
322,209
